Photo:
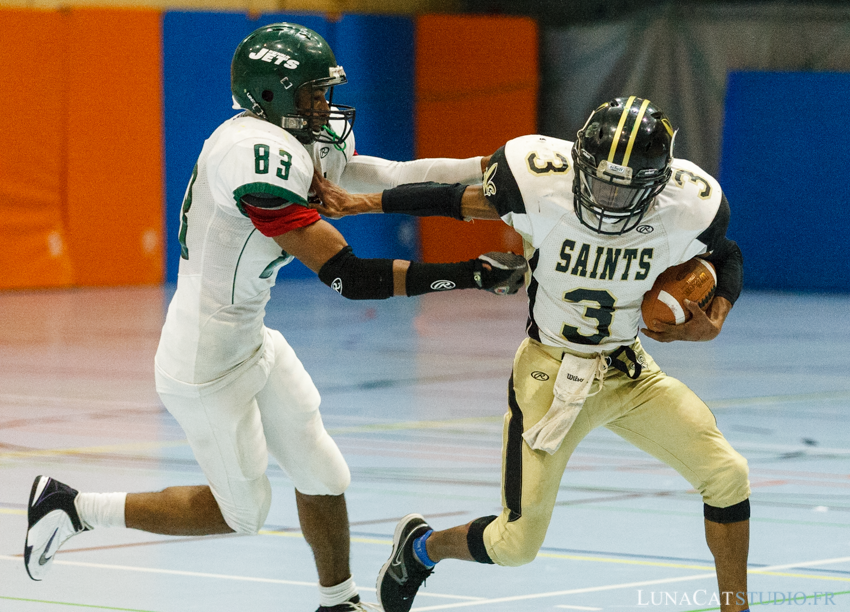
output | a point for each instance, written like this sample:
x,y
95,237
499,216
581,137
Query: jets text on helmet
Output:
x,y
267,55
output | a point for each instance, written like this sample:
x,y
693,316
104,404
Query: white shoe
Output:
x,y
52,520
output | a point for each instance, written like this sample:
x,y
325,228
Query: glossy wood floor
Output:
x,y
413,392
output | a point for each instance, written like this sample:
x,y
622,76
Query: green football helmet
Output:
x,y
273,65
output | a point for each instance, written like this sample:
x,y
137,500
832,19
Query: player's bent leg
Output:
x,y
530,478
296,437
671,423
222,423
188,510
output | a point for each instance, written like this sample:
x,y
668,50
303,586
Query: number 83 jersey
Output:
x,y
586,288
228,266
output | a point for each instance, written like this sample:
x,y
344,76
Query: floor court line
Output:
x,y
470,600
612,587
154,570
75,605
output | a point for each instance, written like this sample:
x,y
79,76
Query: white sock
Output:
x,y
335,595
101,509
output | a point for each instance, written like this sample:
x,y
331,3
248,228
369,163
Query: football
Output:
x,y
693,280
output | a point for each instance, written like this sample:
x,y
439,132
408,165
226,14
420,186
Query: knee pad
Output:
x,y
247,514
731,514
318,467
475,539
730,483
515,543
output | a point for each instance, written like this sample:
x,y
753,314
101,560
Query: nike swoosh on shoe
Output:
x,y
43,559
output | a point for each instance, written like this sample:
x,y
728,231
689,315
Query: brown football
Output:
x,y
693,280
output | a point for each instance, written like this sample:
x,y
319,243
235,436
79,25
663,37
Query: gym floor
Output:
x,y
413,392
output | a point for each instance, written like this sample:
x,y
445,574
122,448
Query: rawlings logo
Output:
x,y
538,375
337,285
442,285
489,185
267,55
645,229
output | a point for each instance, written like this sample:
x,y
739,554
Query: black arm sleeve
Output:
x,y
424,200
724,254
500,186
358,279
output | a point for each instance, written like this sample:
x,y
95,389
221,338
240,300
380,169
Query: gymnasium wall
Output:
x,y
97,150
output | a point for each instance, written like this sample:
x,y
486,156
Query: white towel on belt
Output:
x,y
572,387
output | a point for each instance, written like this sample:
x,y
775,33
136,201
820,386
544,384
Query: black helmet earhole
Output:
x,y
268,96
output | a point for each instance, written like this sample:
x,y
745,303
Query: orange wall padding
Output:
x,y
476,88
81,148
115,147
33,66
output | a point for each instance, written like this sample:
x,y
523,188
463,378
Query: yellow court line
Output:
x,y
12,511
835,578
625,561
414,425
91,450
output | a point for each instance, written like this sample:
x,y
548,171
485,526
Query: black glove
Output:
x,y
505,275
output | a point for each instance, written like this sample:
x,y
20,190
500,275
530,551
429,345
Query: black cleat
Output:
x,y
403,574
352,605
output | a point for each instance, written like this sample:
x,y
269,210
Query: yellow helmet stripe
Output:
x,y
619,131
635,130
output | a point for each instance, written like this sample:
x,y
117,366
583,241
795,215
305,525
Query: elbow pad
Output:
x,y
358,279
729,264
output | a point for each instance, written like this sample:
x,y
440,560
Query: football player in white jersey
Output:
x,y
600,218
236,387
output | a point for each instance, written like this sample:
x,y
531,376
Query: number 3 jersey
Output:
x,y
586,288
227,267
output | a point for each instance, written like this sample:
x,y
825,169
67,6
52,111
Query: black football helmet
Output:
x,y
276,62
622,160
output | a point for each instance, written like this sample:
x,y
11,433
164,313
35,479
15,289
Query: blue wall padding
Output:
x,y
783,169
377,54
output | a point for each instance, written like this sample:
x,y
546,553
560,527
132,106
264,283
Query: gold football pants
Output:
x,y
655,412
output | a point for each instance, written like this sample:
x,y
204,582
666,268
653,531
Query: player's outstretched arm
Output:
x,y
324,250
367,174
416,199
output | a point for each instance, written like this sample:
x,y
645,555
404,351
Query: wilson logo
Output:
x,y
538,375
267,55
442,285
645,229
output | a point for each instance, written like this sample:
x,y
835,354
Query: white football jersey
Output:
x,y
227,267
586,288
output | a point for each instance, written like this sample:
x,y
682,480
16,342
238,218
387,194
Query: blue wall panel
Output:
x,y
783,169
377,53
197,49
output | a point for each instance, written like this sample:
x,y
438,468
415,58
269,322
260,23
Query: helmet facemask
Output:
x,y
622,160
315,111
